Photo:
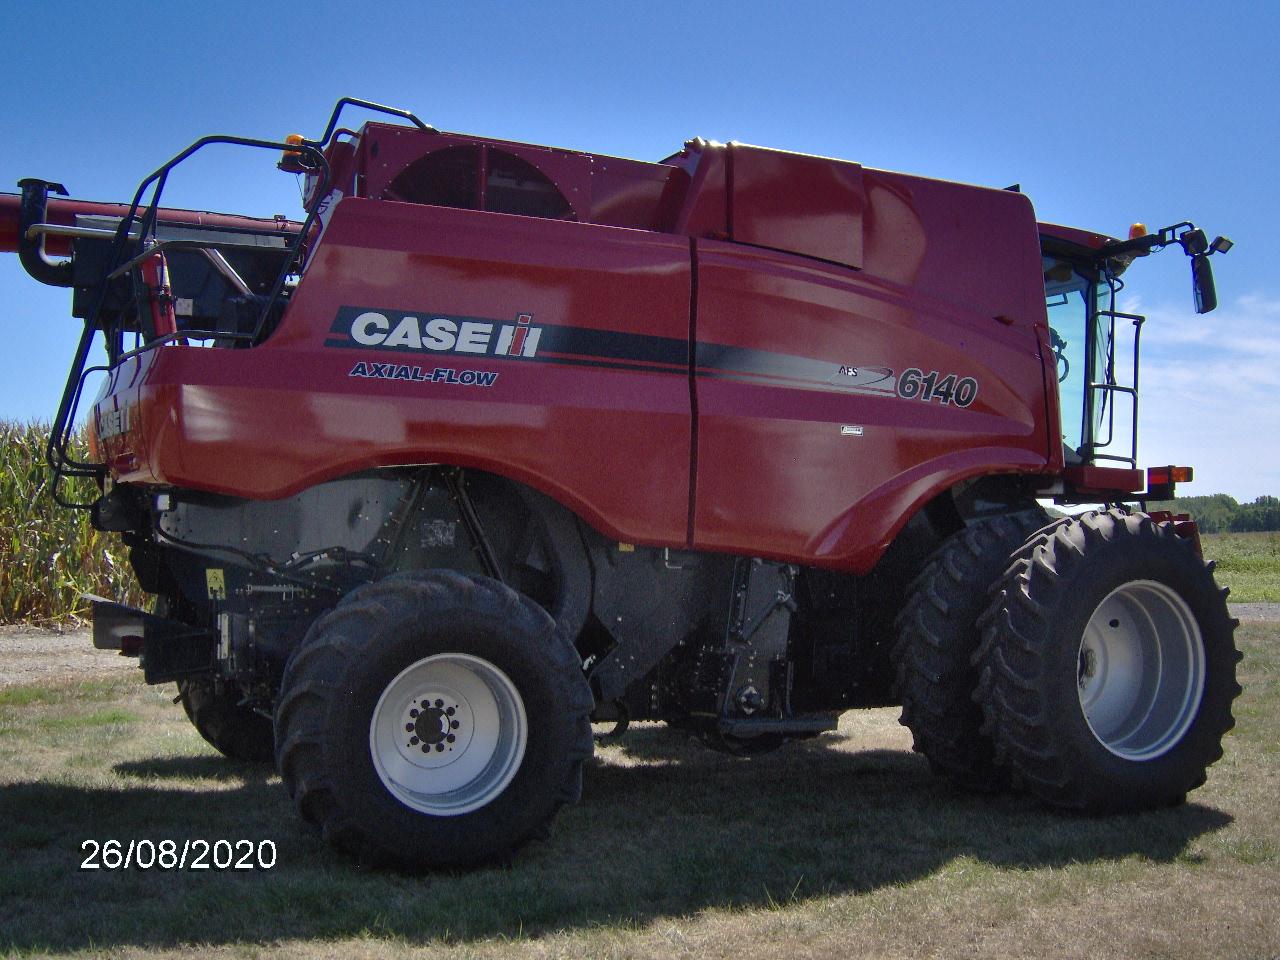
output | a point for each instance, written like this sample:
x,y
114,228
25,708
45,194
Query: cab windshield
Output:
x,y
1074,297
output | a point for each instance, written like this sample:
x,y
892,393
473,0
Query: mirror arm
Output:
x,y
1194,244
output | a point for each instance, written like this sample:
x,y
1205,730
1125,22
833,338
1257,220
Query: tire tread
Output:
x,y
314,679
936,637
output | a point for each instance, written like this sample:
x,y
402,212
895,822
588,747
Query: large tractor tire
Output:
x,y
937,636
1108,665
239,732
433,719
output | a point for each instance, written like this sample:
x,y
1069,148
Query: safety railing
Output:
x,y
1102,393
134,243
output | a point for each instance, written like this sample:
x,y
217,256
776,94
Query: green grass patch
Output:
x,y
58,713
674,851
83,691
1248,563
74,720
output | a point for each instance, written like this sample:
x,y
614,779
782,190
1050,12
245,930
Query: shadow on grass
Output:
x,y
665,829
205,767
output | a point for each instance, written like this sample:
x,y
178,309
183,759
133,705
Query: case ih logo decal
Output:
x,y
392,330
114,423
360,328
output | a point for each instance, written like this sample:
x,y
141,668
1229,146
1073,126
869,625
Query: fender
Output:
x,y
857,540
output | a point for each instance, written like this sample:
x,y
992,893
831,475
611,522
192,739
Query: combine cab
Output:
x,y
497,440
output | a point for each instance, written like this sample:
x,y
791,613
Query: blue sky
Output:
x,y
1104,113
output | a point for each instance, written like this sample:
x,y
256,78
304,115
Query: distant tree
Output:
x,y
1215,513
1221,513
1262,514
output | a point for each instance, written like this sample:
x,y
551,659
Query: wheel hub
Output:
x,y
448,734
432,725
1141,670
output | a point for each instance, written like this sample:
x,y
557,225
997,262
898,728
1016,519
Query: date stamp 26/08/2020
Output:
x,y
197,854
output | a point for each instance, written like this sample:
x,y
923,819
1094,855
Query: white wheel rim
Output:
x,y
1140,671
448,734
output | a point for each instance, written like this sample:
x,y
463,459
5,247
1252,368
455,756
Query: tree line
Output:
x,y
1221,513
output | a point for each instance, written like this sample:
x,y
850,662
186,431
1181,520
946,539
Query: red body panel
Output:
x,y
611,443
1081,238
776,465
739,384
818,215
1102,481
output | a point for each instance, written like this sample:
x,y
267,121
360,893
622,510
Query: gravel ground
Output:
x,y
34,654
1267,612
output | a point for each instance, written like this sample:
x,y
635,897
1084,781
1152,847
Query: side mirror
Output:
x,y
1206,294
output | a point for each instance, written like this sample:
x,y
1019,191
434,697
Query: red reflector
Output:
x,y
1157,476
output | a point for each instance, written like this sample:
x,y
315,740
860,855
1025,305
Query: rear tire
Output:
x,y
1108,665
238,732
937,635
433,719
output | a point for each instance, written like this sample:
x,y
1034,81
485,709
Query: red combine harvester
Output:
x,y
501,439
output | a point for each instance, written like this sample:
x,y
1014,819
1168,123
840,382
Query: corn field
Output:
x,y
49,555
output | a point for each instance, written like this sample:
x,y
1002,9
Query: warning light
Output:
x,y
1137,230
1160,476
291,160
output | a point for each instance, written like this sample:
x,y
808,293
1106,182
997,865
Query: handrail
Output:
x,y
1110,387
368,105
66,230
126,239
133,241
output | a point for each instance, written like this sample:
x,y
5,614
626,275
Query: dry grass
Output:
x,y
49,555
839,847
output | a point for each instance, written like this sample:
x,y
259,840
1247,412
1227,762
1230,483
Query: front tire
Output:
x,y
937,636
236,730
1108,665
433,719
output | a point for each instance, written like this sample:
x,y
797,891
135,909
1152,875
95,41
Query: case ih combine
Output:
x,y
502,439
